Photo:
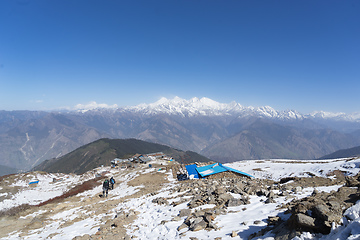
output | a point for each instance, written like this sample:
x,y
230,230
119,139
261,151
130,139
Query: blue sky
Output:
x,y
301,55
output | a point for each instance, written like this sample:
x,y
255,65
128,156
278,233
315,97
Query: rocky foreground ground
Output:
x,y
316,213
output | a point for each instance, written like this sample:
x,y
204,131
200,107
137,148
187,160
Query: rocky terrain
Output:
x,y
149,203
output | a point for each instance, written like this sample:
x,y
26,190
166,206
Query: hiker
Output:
x,y
105,187
112,182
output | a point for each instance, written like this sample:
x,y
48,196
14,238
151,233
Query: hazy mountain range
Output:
x,y
222,132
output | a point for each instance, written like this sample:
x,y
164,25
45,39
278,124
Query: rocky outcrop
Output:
x,y
199,220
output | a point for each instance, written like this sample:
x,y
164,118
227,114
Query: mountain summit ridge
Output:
x,y
208,107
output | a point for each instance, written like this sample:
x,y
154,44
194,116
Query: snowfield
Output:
x,y
282,168
85,214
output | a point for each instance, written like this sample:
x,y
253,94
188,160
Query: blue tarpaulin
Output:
x,y
191,169
33,182
210,169
217,168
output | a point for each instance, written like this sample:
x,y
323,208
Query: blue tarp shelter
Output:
x,y
217,168
191,169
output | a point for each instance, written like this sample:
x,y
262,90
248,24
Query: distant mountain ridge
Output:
x,y
344,153
223,132
4,170
102,151
262,139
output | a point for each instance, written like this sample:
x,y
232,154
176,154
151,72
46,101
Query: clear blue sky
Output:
x,y
301,55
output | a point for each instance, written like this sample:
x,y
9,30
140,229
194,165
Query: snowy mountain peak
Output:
x,y
354,117
206,106
194,106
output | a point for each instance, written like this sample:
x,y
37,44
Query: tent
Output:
x,y
217,168
191,169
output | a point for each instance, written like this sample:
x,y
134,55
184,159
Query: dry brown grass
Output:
x,y
6,176
88,185
15,210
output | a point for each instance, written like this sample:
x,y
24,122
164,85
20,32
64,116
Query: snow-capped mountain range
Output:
x,y
208,107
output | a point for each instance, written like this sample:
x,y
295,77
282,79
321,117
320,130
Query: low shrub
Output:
x,y
87,185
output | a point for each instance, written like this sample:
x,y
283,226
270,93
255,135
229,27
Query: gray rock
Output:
x,y
305,221
211,199
314,193
212,225
199,213
262,192
270,200
225,197
160,201
297,189
195,220
197,226
246,199
182,226
184,212
233,202
209,218
273,220
321,212
240,185
335,205
271,194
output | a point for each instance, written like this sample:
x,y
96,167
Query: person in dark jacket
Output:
x,y
105,187
112,182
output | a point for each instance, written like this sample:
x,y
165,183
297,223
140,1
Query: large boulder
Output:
x,y
305,221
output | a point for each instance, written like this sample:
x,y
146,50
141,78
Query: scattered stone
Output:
x,y
270,200
234,202
182,226
212,226
273,220
160,201
176,218
184,212
305,221
321,212
297,189
352,182
197,226
315,192
234,234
